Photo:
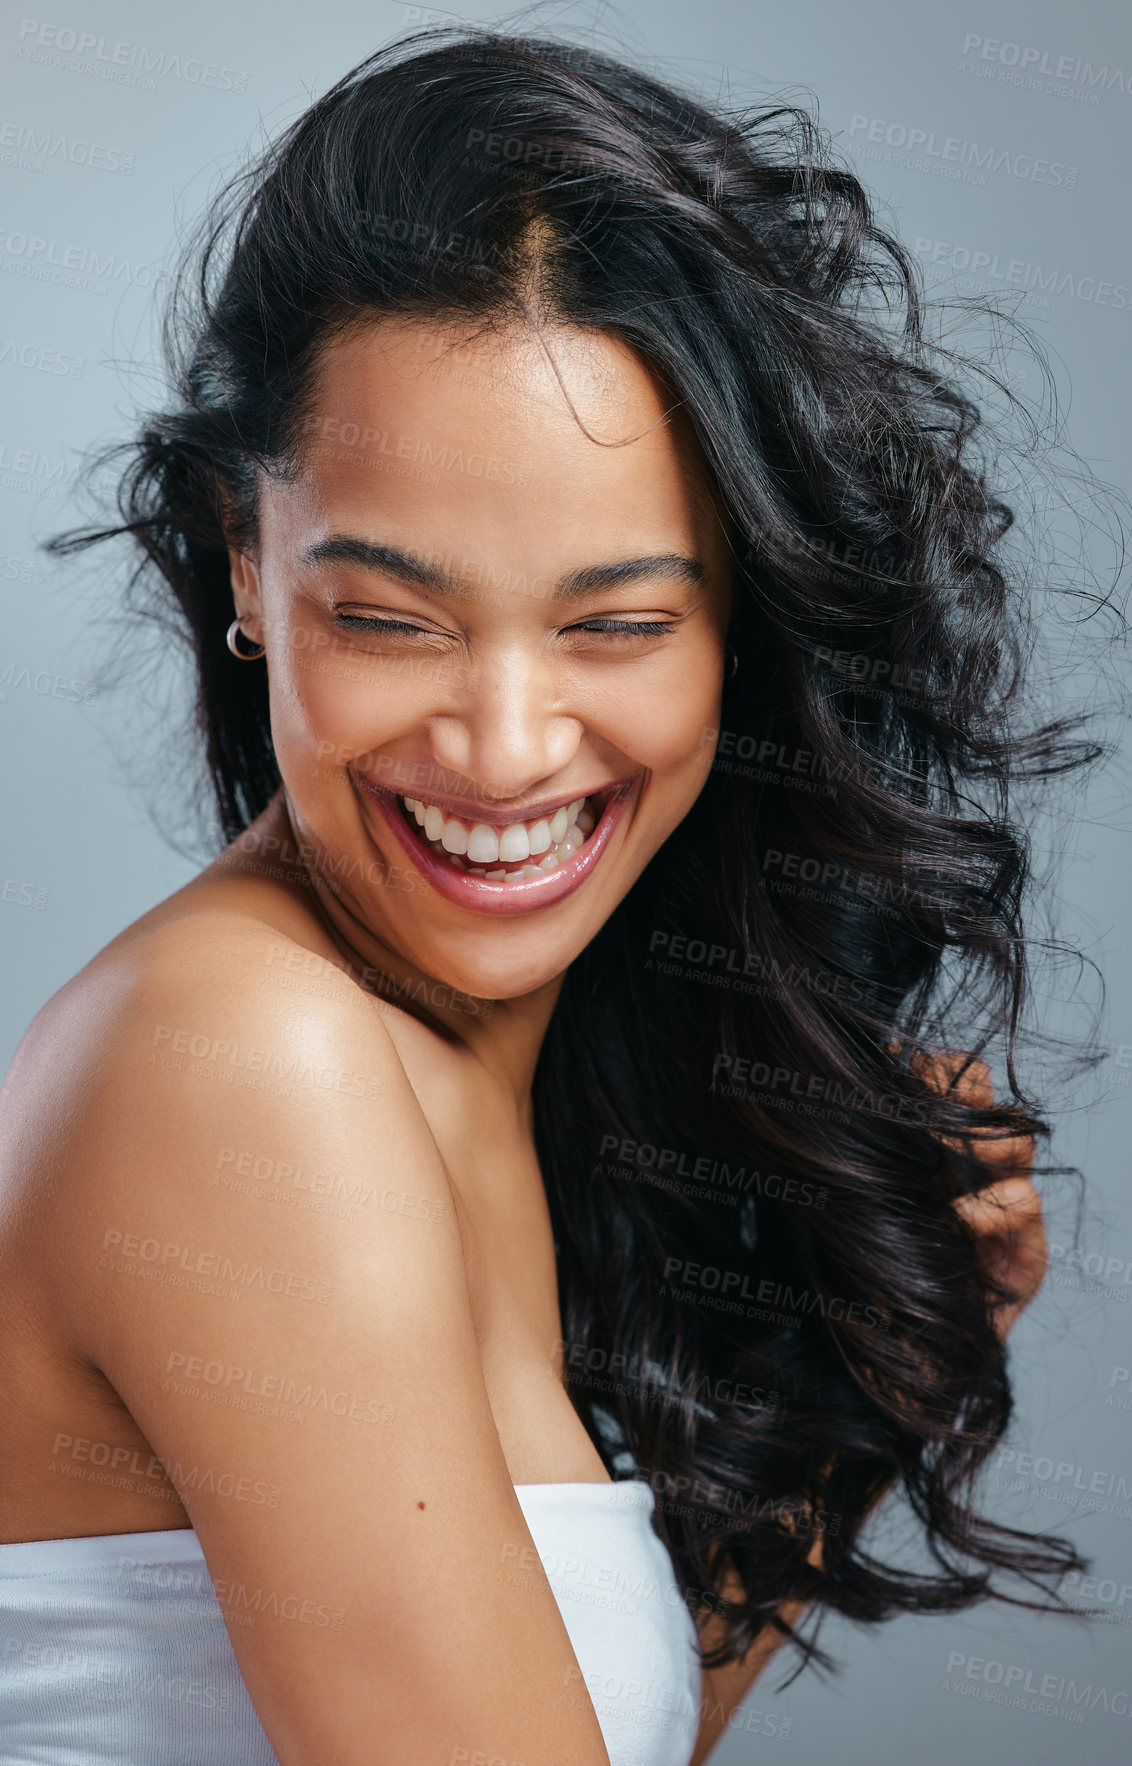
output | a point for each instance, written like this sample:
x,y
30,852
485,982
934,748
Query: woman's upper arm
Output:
x,y
334,1360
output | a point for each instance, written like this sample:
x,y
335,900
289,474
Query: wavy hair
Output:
x,y
769,1306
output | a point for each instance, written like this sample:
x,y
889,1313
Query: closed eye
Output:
x,y
359,622
614,628
644,628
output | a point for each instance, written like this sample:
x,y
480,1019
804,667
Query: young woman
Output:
x,y
475,1257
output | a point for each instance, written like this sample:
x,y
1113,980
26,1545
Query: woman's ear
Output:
x,y
242,569
244,577
243,572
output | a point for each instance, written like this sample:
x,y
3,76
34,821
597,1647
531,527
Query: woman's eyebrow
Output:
x,y
666,566
393,561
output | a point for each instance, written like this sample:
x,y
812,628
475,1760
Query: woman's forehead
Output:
x,y
506,373
573,448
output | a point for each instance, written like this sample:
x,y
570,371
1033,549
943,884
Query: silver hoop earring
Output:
x,y
734,668
243,655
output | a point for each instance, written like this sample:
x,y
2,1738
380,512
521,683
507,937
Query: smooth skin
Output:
x,y
310,1001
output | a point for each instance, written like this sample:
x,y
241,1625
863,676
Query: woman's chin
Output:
x,y
475,986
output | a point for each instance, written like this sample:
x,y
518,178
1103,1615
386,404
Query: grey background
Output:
x,y
81,856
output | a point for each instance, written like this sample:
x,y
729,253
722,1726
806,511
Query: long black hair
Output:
x,y
770,1307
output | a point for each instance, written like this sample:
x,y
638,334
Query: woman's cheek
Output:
x,y
663,721
332,694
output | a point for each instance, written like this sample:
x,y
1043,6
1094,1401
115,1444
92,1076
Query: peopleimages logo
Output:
x,y
45,361
970,265
126,63
1092,1489
696,958
1056,1690
1090,1271
761,1077
26,148
74,266
925,151
1028,63
33,473
671,1162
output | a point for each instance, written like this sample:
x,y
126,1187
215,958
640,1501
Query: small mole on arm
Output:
x,y
420,1504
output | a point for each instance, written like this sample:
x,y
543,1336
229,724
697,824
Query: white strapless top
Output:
x,y
114,1650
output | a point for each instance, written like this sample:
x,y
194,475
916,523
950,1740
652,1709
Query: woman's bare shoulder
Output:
x,y
194,948
177,1101
202,1014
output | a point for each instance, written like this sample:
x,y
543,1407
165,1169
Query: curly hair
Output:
x,y
769,1306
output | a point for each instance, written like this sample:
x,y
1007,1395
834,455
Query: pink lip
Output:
x,y
504,898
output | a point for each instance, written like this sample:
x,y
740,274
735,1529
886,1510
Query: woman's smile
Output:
x,y
511,866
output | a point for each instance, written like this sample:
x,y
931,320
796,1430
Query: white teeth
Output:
x,y
483,845
514,844
546,842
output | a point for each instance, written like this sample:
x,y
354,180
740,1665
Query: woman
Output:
x,y
527,1175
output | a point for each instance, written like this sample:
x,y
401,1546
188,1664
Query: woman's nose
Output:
x,y
507,735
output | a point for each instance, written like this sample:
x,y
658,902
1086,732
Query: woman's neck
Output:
x,y
502,1036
